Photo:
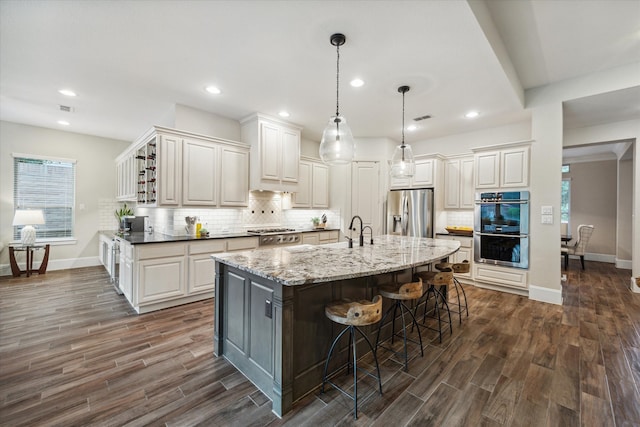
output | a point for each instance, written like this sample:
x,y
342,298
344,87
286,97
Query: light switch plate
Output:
x,y
547,210
547,219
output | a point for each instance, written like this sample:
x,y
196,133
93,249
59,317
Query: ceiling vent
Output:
x,y
66,108
425,117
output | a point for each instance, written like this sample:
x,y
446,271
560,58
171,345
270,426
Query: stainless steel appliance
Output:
x,y
277,236
501,231
133,224
410,212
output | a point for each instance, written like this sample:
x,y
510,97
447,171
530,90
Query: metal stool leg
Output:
x,y
326,363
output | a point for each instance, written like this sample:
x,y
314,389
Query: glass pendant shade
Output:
x,y
402,163
337,146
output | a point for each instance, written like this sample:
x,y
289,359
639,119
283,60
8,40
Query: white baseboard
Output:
x,y
58,264
552,296
634,285
623,264
611,259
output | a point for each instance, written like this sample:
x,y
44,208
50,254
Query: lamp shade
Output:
x,y
28,217
402,162
337,145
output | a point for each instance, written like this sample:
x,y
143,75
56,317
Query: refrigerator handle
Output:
x,y
405,215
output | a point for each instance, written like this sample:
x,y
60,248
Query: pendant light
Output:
x,y
337,146
402,163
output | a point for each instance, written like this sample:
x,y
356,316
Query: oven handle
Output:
x,y
522,236
500,202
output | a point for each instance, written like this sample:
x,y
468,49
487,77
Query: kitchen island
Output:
x,y
269,305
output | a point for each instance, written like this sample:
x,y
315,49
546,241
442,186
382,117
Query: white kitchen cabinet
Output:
x,y
502,168
320,237
458,183
313,186
160,279
424,176
202,274
242,244
126,177
503,278
310,238
169,170
199,173
125,278
234,176
275,153
464,253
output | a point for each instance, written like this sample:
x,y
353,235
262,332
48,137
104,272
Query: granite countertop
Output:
x,y
303,264
454,234
144,237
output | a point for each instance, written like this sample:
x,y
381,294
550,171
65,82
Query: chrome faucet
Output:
x,y
361,230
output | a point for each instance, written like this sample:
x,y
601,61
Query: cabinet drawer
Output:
x,y
208,246
465,242
242,244
502,276
160,250
328,236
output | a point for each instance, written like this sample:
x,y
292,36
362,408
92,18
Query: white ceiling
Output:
x,y
131,61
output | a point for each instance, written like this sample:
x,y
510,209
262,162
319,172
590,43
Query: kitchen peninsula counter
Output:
x,y
269,305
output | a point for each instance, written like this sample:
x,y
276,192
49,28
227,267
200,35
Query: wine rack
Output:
x,y
147,174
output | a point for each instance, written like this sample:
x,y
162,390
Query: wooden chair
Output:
x,y
458,268
430,280
580,246
400,293
353,314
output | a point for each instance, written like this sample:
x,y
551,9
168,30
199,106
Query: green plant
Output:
x,y
123,211
315,220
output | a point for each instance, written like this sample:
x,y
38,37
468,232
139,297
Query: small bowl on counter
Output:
x,y
460,230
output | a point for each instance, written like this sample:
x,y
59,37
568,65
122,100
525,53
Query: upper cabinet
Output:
x,y
175,168
126,176
313,185
275,153
424,176
502,167
458,183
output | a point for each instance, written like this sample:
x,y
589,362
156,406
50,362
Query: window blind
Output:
x,y
49,185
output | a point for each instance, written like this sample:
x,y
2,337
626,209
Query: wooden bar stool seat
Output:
x,y
431,279
458,268
400,293
353,314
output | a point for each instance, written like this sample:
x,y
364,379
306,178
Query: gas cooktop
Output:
x,y
263,231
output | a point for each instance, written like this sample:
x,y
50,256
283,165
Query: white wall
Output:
x,y
95,180
204,123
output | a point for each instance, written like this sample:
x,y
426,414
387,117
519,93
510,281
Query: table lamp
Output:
x,y
28,218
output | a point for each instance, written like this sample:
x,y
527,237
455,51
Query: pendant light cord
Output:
x,y
403,125
338,80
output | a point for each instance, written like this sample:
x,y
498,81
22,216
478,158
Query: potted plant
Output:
x,y
316,221
122,212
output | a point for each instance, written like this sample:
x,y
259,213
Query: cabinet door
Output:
x,y
202,274
452,184
320,186
467,193
400,182
487,169
310,239
302,198
270,151
424,173
290,155
161,278
365,199
169,161
234,181
199,173
515,167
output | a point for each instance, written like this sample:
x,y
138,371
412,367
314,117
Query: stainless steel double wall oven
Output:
x,y
501,232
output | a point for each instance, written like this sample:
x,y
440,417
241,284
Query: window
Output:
x,y
566,168
47,184
565,201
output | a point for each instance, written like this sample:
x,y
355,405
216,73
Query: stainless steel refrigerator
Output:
x,y
410,212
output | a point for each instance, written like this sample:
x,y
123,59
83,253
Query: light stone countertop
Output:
x,y
303,264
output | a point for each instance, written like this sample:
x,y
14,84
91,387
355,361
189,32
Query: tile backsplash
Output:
x,y
265,210
460,218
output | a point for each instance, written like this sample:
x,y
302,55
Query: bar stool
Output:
x,y
400,293
353,314
458,268
431,279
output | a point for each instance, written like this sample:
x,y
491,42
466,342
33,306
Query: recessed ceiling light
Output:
x,y
67,92
213,90
283,114
411,128
63,122
357,83
472,114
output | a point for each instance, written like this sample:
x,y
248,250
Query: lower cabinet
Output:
x,y
465,253
154,276
320,237
502,278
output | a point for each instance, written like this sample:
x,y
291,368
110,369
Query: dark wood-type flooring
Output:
x,y
72,352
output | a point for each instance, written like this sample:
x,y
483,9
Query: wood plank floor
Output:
x,y
72,352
